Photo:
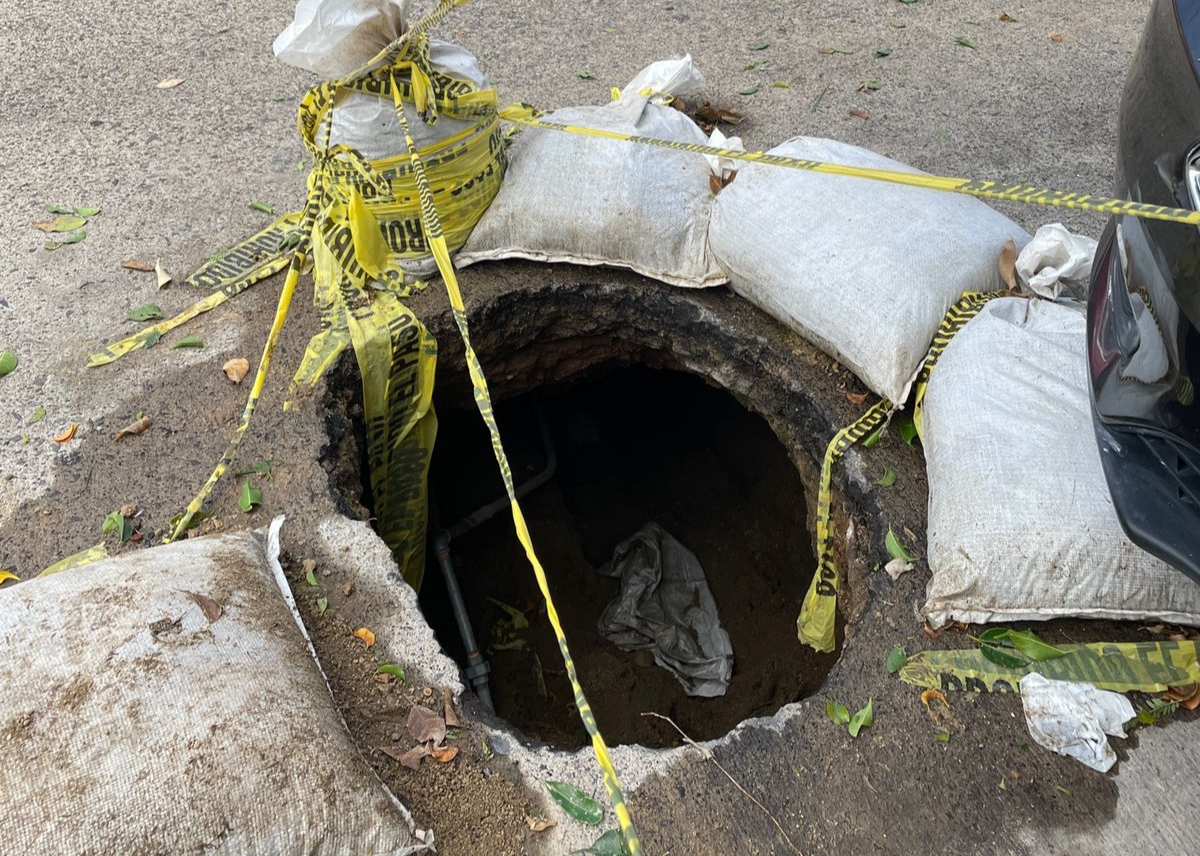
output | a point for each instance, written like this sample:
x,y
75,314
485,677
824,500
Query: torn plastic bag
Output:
x,y
1072,719
1056,261
665,605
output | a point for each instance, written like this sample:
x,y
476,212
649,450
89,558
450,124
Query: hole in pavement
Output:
x,y
633,445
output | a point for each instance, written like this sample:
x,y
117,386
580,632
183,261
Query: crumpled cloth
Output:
x,y
665,605
1072,719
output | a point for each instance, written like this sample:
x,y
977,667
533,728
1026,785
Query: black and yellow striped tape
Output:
x,y
523,114
483,401
818,614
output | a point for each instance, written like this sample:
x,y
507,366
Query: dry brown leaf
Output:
x,y
236,369
211,609
1187,696
169,83
1004,16
134,264
411,758
1007,263
452,720
425,726
538,824
859,114
68,435
443,754
367,637
928,631
714,183
856,397
1055,37
134,429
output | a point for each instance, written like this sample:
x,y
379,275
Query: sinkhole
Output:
x,y
628,446
686,409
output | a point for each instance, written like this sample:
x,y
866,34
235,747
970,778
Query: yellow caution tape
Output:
x,y
83,557
483,400
818,614
1119,666
523,114
232,272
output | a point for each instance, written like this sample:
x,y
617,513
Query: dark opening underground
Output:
x,y
632,445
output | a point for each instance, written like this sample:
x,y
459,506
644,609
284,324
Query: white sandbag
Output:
x,y
1021,526
166,702
334,38
862,269
592,201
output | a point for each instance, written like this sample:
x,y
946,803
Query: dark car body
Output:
x,y
1144,305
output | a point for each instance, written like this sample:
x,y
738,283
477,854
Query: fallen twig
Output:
x,y
708,754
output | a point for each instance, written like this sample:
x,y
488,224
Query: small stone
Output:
x,y
395,736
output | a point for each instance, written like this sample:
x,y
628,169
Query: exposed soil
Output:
x,y
634,445
473,802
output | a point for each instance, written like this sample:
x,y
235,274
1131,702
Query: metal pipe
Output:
x,y
477,668
494,507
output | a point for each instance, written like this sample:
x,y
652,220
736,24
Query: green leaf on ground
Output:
x,y
61,223
188,342
39,413
837,711
749,90
251,497
146,312
908,429
519,621
864,718
874,84
8,362
750,66
322,605
575,802
965,42
263,207
277,98
52,208
395,671
942,737
760,46
583,74
874,437
610,31
310,577
608,844
150,338
896,660
992,645
882,52
116,522
1032,647
781,84
86,210
908,2
834,49
889,477
896,549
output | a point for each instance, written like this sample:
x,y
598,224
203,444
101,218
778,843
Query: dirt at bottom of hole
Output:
x,y
474,803
632,446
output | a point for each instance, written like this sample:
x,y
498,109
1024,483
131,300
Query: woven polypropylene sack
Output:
x,y
593,201
1021,526
863,269
132,722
